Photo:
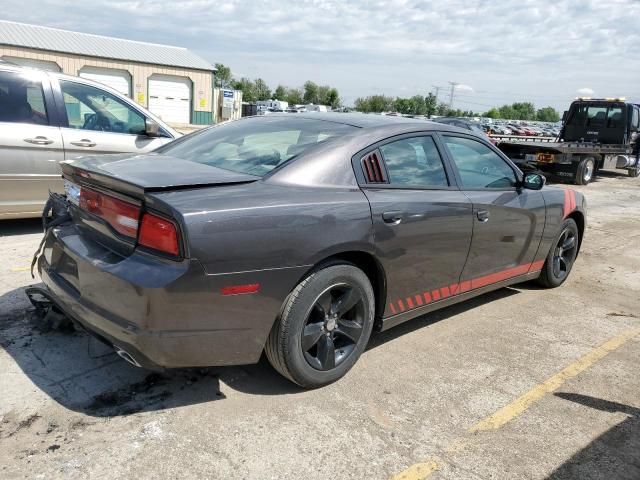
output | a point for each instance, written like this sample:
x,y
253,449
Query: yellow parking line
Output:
x,y
418,471
421,471
515,408
21,269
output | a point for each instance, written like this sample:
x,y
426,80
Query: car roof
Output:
x,y
360,120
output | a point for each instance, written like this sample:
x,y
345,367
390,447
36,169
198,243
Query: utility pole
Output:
x,y
453,87
437,89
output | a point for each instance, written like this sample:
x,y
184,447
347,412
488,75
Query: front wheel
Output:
x,y
324,326
561,256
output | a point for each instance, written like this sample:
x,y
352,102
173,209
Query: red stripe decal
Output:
x,y
573,200
537,265
466,285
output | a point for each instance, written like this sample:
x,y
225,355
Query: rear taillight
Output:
x,y
158,234
121,215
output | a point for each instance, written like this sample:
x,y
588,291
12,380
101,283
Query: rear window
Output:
x,y
602,116
255,145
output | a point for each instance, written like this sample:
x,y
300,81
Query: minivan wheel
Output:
x,y
324,326
561,256
586,171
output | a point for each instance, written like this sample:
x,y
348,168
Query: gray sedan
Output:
x,y
296,236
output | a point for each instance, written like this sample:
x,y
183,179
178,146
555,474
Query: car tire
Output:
x,y
324,326
586,171
562,255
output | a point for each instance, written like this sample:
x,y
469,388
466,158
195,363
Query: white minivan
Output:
x,y
48,117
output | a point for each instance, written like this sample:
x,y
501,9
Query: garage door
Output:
x,y
34,63
119,80
170,98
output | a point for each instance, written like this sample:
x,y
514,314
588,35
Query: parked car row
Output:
x,y
524,128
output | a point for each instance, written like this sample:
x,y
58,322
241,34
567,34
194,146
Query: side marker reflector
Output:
x,y
240,289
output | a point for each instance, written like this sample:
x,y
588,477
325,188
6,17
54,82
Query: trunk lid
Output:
x,y
136,174
110,194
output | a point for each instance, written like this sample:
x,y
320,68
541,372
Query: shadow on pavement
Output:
x,y
84,375
20,227
613,455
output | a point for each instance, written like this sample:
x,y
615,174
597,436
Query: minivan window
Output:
x,y
22,99
255,145
90,108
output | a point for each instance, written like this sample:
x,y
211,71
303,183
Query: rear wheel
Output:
x,y
634,172
324,326
562,255
586,171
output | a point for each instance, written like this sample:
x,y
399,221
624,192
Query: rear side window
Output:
x,y
22,99
414,162
478,165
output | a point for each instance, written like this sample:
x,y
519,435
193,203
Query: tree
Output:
x,y
403,105
262,90
310,92
375,103
430,104
280,93
333,98
248,89
222,76
493,113
294,96
442,109
547,114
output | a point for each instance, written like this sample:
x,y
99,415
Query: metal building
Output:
x,y
172,82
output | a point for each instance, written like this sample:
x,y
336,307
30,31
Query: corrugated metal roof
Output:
x,y
53,39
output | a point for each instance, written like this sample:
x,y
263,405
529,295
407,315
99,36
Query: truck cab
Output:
x,y
610,121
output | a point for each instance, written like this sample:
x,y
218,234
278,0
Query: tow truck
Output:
x,y
596,134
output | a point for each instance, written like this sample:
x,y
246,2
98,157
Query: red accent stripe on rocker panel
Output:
x,y
569,202
464,286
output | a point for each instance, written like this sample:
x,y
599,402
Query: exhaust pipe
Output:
x,y
127,356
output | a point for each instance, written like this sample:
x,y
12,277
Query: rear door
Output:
x,y
422,222
508,221
97,121
30,143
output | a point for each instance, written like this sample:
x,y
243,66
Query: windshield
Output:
x,y
255,145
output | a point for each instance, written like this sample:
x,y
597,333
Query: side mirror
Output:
x,y
151,128
533,181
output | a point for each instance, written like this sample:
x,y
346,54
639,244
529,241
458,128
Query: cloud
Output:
x,y
464,88
508,51
585,91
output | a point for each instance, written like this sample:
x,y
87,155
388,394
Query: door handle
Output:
x,y
39,140
84,143
394,217
483,215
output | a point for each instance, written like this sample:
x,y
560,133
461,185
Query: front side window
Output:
x,y
478,165
22,99
414,162
255,145
90,108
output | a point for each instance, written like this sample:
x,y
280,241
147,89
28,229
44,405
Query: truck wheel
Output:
x,y
586,171
634,172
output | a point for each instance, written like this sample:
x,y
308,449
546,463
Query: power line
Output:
x,y
437,88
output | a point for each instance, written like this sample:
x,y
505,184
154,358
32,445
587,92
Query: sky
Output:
x,y
545,52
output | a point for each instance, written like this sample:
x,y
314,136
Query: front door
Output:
x,y
99,122
30,145
507,220
422,224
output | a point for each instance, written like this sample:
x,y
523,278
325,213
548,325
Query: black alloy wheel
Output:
x,y
564,254
561,256
333,327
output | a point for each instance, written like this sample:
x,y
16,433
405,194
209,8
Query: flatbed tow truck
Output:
x,y
597,134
